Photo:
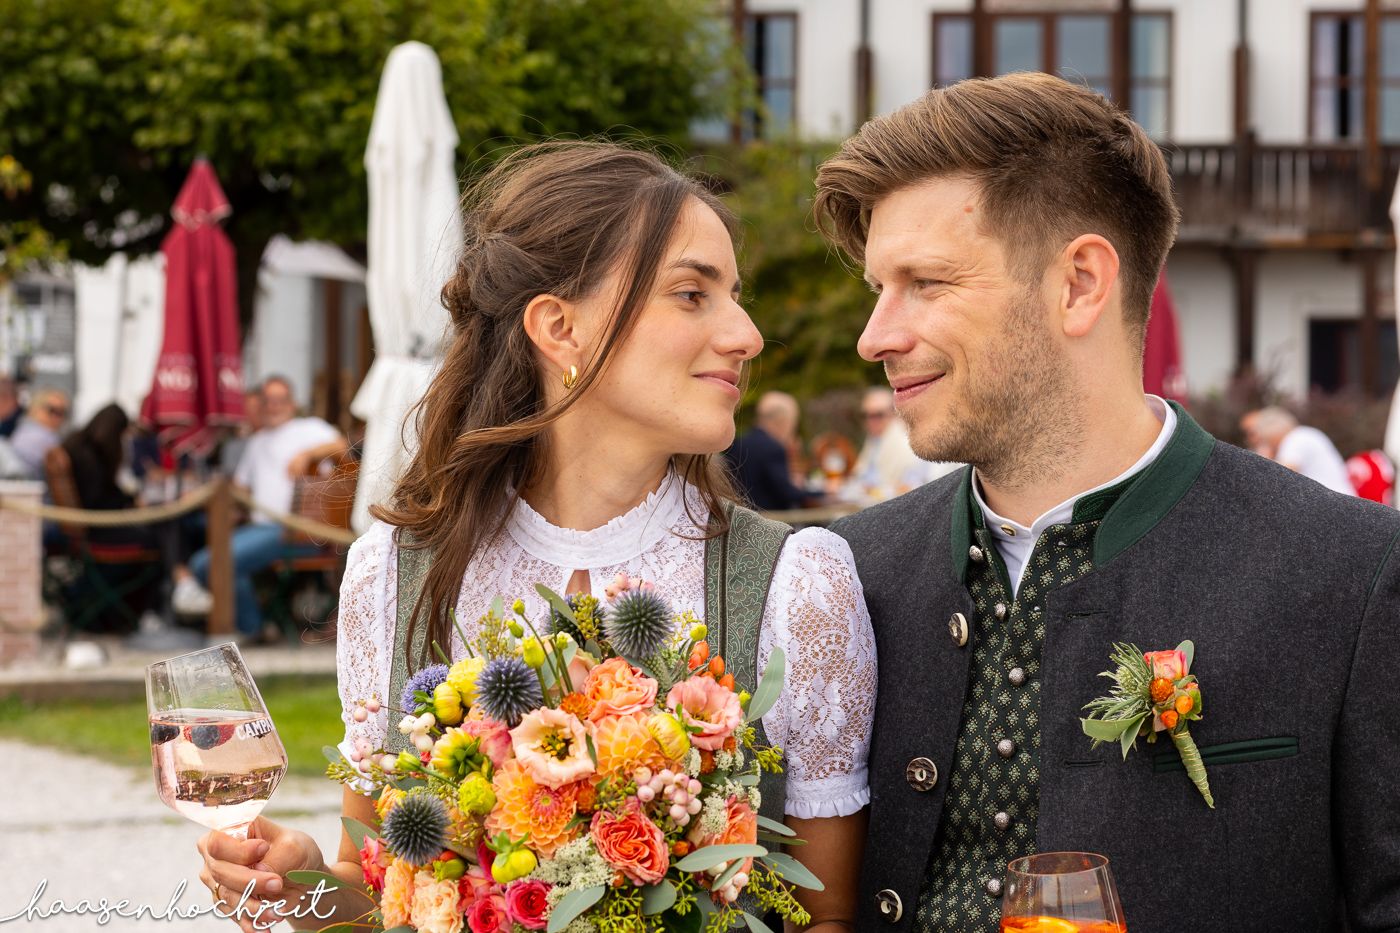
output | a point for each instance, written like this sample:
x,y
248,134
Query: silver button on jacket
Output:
x,y
890,906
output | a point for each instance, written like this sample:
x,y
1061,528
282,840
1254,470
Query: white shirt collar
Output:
x,y
619,541
1012,532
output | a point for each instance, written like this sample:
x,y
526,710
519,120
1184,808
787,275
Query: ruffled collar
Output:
x,y
619,541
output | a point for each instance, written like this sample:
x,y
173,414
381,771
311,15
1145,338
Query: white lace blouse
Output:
x,y
816,613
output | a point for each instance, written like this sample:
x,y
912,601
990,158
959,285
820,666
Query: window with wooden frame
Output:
x,y
770,46
1077,46
1337,77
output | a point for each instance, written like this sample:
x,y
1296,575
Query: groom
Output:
x,y
1013,230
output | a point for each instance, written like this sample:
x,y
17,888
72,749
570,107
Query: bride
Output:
x,y
593,371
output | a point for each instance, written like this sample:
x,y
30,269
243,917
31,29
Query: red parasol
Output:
x,y
199,375
1161,360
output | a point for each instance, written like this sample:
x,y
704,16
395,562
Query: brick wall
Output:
x,y
21,568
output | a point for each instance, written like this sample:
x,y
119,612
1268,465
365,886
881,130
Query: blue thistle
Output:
x,y
639,624
426,680
416,828
507,689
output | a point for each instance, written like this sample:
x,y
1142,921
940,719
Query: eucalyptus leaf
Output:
x,y
756,925
342,928
692,921
747,780
658,897
1107,730
572,905
498,607
333,755
358,831
727,875
1188,648
306,876
773,826
779,841
793,871
708,857
558,603
770,685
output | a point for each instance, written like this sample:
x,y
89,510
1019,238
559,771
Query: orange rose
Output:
x,y
632,843
741,828
616,688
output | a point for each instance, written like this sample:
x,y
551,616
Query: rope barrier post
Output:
x,y
220,512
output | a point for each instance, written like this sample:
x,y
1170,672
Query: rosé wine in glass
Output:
x,y
215,753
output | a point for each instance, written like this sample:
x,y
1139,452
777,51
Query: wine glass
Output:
x,y
1060,892
215,752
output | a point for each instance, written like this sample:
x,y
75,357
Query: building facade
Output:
x,y
1280,120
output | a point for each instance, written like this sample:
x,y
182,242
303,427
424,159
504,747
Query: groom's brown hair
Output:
x,y
1052,160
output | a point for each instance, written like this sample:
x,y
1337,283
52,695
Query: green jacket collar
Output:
x,y
1134,507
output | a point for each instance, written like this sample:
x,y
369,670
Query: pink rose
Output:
x,y
701,702
489,915
579,665
616,688
631,843
1169,664
528,905
374,858
495,739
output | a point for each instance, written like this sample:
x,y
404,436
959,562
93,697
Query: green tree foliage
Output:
x,y
810,304
107,102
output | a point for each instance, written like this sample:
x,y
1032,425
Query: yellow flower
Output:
x,y
435,905
462,676
447,704
623,745
476,796
522,806
669,734
396,902
389,798
532,652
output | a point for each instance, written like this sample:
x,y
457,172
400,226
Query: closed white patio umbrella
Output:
x,y
414,237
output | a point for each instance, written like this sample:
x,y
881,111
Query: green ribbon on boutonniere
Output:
x,y
1152,692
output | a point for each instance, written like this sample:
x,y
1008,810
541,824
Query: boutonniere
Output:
x,y
1152,692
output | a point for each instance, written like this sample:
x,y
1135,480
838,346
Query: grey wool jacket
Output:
x,y
1291,594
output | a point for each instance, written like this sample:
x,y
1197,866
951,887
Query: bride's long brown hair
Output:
x,y
553,218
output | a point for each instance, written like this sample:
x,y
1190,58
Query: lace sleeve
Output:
x,y
816,613
365,632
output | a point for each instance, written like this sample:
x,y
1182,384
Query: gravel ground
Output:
x,y
93,830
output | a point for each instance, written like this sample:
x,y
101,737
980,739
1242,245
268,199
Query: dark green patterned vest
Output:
x,y
992,805
739,567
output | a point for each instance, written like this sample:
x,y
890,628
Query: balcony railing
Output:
x,y
1281,195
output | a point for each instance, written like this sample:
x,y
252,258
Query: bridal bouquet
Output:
x,y
597,773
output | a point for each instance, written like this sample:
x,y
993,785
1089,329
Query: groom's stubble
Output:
x,y
1016,418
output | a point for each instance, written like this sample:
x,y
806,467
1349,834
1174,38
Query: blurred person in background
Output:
x,y
9,406
759,458
1275,433
96,453
231,452
887,465
38,431
285,448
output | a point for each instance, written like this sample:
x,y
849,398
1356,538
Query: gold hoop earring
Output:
x,y
571,378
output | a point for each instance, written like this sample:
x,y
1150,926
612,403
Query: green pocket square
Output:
x,y
1230,753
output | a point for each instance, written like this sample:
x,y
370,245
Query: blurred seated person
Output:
x,y
96,453
38,431
1275,433
9,406
282,450
231,450
759,461
887,465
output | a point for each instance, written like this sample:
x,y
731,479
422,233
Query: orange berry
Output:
x,y
680,848
699,654
1184,704
1161,689
717,666
727,681
707,761
730,745
1169,719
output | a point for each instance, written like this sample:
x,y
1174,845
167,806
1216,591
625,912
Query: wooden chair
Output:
x,y
324,498
108,573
